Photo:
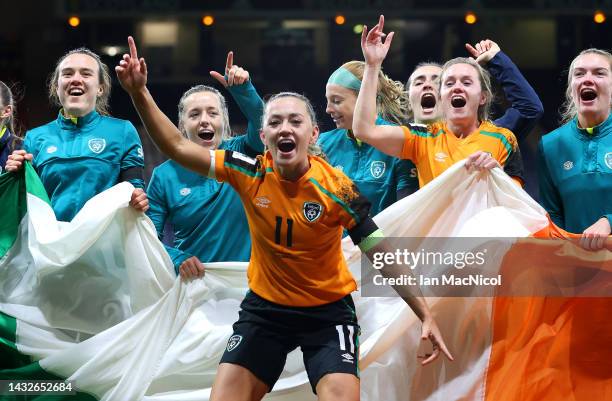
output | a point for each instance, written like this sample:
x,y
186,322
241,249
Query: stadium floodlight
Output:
x,y
470,18
74,21
208,20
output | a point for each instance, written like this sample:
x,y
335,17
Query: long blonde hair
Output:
x,y
569,110
391,97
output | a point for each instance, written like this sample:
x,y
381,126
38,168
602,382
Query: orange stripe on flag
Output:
x,y
547,348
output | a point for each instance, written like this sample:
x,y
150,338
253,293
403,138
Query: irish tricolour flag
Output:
x,y
95,301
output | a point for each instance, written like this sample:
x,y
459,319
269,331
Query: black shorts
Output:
x,y
266,332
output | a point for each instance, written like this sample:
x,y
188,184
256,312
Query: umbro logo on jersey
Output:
x,y
440,156
608,159
97,145
312,211
377,168
233,342
262,201
185,191
52,149
347,358
568,165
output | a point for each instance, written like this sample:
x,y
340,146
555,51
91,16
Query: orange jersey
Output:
x,y
434,148
296,227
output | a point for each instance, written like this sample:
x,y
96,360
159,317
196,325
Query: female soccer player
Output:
x,y
575,163
297,206
381,178
196,206
9,137
525,109
465,132
84,151
524,112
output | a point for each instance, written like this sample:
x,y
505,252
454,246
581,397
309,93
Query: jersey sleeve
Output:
x,y
507,146
158,213
514,166
407,178
412,132
550,198
526,108
132,162
354,210
29,146
158,207
237,169
252,107
27,143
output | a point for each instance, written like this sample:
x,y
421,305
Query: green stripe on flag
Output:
x,y
13,206
34,371
17,366
10,357
13,202
34,185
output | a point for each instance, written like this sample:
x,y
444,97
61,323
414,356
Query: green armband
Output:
x,y
371,240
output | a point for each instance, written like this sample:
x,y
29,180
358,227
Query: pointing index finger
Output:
x,y
132,45
230,61
471,50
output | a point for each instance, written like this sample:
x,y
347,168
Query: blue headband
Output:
x,y
344,78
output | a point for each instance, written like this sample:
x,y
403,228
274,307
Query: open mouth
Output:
x,y
458,102
75,92
428,101
206,135
588,94
286,145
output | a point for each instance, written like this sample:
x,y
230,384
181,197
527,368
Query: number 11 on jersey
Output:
x,y
278,231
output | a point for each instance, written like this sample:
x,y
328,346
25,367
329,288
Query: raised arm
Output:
x,y
526,108
238,83
387,138
132,74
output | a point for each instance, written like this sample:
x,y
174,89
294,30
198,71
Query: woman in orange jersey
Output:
x,y
464,132
297,206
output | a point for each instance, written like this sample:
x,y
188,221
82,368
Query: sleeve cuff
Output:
x,y
240,90
179,259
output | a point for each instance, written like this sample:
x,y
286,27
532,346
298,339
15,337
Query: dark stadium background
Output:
x,y
289,45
